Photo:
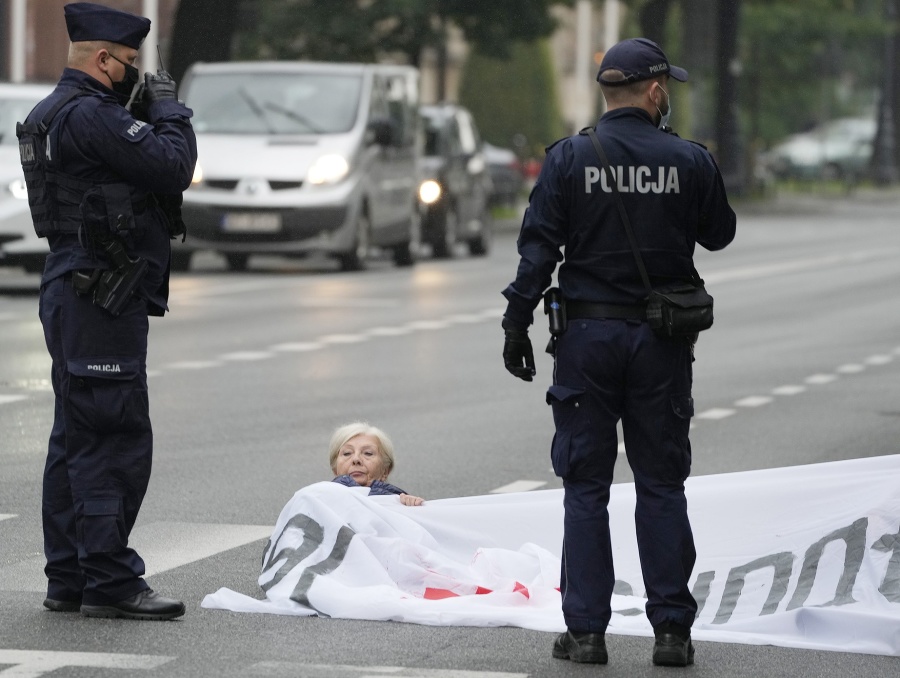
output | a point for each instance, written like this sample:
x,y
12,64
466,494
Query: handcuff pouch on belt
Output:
x,y
555,309
107,211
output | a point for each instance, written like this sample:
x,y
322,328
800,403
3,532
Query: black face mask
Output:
x,y
126,85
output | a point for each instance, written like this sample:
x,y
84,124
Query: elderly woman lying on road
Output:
x,y
363,456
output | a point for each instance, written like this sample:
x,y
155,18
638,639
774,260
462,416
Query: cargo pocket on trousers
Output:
x,y
106,396
569,419
678,426
102,529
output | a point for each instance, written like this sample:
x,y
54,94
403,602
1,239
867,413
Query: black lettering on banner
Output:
x,y
782,564
701,589
854,536
334,559
313,534
890,585
623,588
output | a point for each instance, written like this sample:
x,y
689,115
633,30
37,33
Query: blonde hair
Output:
x,y
83,51
361,428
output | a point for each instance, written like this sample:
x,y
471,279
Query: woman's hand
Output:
x,y
409,500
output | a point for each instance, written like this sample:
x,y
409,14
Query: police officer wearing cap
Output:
x,y
96,178
610,365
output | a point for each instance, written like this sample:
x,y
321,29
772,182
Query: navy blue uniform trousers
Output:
x,y
101,446
606,371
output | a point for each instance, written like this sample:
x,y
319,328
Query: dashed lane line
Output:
x,y
337,339
4,399
7,516
163,546
32,663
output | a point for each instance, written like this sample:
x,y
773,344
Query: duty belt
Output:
x,y
591,310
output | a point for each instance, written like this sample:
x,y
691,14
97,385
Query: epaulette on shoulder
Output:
x,y
697,143
547,150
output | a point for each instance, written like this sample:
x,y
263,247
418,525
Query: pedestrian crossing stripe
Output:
x,y
163,546
32,663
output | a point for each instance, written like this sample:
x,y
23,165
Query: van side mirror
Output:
x,y
382,130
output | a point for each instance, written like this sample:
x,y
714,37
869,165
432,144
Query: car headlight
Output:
x,y
328,169
429,191
18,189
198,175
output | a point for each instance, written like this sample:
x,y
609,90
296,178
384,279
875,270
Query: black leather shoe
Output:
x,y
146,605
585,648
62,605
673,645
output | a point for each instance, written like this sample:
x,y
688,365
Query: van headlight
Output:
x,y
18,189
429,191
328,169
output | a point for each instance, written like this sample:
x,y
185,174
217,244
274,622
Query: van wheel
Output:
x,y
237,261
355,259
406,253
443,248
480,245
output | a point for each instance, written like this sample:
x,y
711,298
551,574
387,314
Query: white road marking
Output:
x,y
879,359
427,324
520,486
620,448
388,331
342,338
5,399
7,516
31,663
163,546
851,368
291,669
246,356
818,379
716,413
753,401
788,390
298,346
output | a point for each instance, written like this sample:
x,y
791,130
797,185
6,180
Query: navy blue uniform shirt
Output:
x,y
95,138
674,197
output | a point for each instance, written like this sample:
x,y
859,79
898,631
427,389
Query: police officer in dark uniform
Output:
x,y
97,178
610,365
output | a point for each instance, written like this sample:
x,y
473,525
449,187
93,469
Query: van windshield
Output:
x,y
274,103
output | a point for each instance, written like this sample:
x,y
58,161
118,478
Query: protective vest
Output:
x,y
53,196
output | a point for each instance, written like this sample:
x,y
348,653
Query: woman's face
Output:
x,y
361,459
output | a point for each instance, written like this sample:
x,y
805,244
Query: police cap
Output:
x,y
90,21
638,59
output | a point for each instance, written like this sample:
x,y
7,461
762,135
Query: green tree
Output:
x,y
514,96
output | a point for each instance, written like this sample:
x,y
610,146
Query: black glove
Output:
x,y
138,104
516,351
159,87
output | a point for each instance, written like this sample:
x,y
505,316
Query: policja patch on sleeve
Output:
x,y
135,130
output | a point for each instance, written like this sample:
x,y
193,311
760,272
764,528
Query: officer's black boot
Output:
x,y
673,645
585,648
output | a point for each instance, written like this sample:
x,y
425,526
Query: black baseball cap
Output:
x,y
87,21
638,59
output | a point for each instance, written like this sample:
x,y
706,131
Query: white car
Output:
x,y
840,149
19,246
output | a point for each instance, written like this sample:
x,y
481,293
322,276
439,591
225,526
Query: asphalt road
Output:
x,y
251,372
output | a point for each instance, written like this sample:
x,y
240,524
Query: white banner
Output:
x,y
807,556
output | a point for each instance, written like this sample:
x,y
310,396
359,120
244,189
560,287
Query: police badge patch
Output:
x,y
136,130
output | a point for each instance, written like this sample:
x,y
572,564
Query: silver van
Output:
x,y
302,157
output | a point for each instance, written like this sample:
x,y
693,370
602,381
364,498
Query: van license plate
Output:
x,y
251,222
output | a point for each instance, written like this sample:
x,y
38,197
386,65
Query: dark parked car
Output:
x,y
455,186
507,178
